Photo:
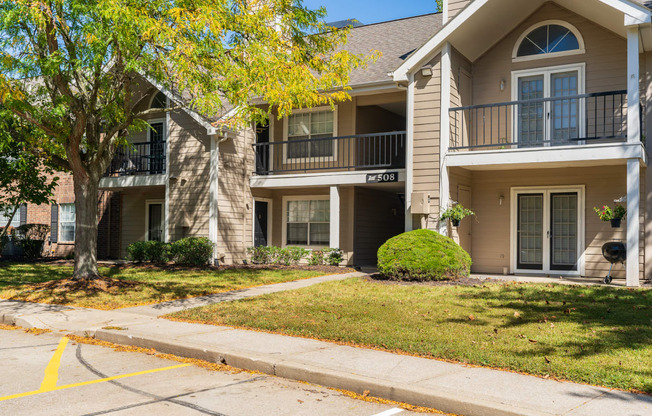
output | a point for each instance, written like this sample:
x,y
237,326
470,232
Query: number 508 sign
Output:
x,y
382,177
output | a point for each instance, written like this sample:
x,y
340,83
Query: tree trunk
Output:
x,y
86,194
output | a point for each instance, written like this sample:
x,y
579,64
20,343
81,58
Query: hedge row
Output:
x,y
189,251
288,256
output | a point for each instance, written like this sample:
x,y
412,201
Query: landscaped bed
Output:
x,y
48,282
595,335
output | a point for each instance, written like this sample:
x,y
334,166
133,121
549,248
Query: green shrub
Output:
x,y
32,249
261,254
192,251
333,256
157,252
137,251
316,258
290,256
423,255
30,238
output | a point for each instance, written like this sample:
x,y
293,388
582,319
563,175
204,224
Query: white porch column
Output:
x,y
213,194
166,205
444,141
335,217
633,87
633,221
409,154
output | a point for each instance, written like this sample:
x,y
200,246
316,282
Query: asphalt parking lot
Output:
x,y
49,374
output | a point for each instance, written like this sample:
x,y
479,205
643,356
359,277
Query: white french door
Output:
x,y
548,120
548,230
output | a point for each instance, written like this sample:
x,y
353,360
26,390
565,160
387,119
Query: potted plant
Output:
x,y
614,215
456,214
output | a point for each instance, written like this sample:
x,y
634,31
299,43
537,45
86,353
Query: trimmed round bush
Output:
x,y
192,251
423,255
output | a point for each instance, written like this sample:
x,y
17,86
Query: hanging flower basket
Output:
x,y
614,215
456,214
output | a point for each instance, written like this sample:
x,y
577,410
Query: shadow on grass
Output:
x,y
613,319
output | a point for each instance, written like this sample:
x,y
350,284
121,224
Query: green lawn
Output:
x,y
154,285
594,335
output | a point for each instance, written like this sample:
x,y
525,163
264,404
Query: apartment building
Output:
x,y
539,116
529,112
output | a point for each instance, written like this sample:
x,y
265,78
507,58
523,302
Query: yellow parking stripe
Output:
x,y
52,370
86,383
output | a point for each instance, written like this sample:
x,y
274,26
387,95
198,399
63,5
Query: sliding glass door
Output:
x,y
547,226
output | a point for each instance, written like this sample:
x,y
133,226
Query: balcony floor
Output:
x,y
544,157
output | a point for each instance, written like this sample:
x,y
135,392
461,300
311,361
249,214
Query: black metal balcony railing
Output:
x,y
346,153
557,121
146,158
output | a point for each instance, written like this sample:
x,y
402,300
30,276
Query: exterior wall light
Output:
x,y
426,70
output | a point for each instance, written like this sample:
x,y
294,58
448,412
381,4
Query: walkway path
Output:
x,y
165,308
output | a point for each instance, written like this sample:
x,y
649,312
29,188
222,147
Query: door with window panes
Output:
x,y
548,230
548,119
308,223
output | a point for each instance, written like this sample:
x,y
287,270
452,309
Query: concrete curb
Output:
x,y
442,399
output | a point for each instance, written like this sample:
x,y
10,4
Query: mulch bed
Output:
x,y
465,281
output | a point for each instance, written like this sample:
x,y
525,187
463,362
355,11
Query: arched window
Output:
x,y
159,101
548,39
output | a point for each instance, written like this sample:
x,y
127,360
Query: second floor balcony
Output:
x,y
332,154
145,158
558,121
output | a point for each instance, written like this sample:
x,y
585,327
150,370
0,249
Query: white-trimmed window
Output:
x,y
307,222
67,217
4,217
548,39
306,128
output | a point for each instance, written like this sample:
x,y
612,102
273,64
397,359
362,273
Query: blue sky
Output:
x,y
372,11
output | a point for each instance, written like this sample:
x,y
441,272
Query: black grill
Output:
x,y
614,252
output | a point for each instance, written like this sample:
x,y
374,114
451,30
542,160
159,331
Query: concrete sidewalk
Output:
x,y
448,387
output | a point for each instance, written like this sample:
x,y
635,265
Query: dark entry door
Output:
x,y
156,149
261,224
262,152
155,226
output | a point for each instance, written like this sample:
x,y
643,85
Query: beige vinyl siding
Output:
x,y
605,58
189,185
491,231
459,178
461,95
647,130
235,201
455,6
427,106
133,226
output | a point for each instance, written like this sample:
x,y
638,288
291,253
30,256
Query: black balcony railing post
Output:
x,y
540,122
372,151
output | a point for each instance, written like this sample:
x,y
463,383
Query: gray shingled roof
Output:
x,y
396,39
646,3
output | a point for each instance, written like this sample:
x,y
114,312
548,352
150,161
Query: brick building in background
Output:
x,y
60,216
